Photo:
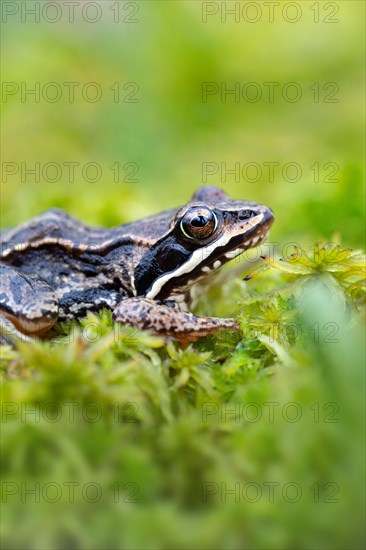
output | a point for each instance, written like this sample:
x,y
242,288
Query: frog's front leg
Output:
x,y
169,321
28,305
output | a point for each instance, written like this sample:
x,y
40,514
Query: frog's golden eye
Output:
x,y
198,223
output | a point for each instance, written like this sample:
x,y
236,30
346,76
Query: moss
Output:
x,y
121,439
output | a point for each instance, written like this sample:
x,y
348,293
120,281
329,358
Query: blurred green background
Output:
x,y
169,132
161,54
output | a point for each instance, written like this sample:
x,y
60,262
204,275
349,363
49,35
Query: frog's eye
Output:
x,y
198,223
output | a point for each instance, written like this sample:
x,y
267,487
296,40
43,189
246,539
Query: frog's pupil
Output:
x,y
199,221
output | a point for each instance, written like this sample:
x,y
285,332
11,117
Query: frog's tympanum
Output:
x,y
54,267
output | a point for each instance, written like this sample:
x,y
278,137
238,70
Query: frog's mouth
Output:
x,y
226,256
208,259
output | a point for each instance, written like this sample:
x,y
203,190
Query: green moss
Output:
x,y
225,443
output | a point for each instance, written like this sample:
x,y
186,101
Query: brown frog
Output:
x,y
54,267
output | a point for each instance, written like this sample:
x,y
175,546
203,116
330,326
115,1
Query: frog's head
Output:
x,y
202,236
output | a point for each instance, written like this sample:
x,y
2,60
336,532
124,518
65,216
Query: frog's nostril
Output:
x,y
246,214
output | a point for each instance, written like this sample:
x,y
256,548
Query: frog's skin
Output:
x,y
54,267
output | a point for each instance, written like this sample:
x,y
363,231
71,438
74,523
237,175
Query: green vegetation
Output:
x,y
256,441
230,444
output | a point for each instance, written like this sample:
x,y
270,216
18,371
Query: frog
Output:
x,y
55,268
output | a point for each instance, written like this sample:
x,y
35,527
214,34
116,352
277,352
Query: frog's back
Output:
x,y
49,227
64,253
60,248
55,226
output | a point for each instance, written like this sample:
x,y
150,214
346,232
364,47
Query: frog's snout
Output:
x,y
268,216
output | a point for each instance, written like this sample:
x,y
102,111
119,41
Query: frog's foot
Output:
x,y
28,305
168,321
